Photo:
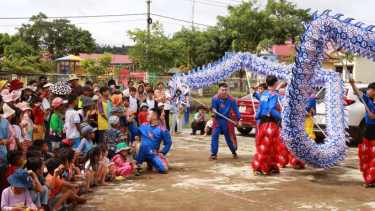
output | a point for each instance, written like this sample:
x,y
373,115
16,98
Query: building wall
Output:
x,y
364,70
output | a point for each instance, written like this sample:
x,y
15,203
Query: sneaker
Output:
x,y
257,172
235,156
213,157
138,171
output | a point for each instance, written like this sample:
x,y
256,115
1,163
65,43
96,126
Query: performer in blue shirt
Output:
x,y
152,134
223,104
365,152
265,159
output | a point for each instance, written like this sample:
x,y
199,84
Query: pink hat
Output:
x,y
23,106
7,98
15,95
58,101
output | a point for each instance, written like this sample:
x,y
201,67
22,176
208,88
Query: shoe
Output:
x,y
149,167
120,178
369,185
138,171
192,134
213,157
298,166
257,173
273,171
235,156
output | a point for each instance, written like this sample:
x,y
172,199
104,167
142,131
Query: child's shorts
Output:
x,y
53,200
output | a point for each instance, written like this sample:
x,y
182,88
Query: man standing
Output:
x,y
76,88
152,134
199,122
223,104
265,159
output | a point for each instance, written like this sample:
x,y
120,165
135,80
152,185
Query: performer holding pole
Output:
x,y
223,104
265,158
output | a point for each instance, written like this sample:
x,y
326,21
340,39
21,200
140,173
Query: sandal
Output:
x,y
138,171
369,185
235,156
213,157
257,173
273,171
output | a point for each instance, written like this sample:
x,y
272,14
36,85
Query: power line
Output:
x,y
176,19
70,17
199,2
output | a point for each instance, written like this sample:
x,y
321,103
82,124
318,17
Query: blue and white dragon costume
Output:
x,y
304,74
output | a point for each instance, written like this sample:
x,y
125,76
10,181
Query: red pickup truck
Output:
x,y
245,107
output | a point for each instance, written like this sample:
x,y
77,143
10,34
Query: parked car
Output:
x,y
355,116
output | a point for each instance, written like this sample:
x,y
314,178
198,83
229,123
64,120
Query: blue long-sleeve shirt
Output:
x,y
152,136
223,106
311,105
268,105
370,106
257,96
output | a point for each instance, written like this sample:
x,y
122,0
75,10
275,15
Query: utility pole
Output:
x,y
192,12
149,20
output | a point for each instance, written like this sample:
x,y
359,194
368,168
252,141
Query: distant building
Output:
x,y
118,60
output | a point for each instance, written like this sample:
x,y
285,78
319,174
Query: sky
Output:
x,y
114,29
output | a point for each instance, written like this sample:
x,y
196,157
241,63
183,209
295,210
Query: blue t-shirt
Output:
x,y
196,116
113,135
4,134
85,146
370,106
268,105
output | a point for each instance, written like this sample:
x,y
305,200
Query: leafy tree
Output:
x,y
80,41
98,66
19,48
155,52
105,60
112,49
348,57
87,63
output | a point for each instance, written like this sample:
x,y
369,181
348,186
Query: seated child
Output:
x,y
95,168
110,166
122,168
39,194
86,144
118,109
16,161
59,194
17,197
42,144
113,136
208,128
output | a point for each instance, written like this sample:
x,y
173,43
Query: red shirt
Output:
x,y
38,116
8,173
142,116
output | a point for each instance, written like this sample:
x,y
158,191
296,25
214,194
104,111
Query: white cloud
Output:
x,y
116,33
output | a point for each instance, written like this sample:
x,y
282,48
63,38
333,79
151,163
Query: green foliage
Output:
x,y
88,62
99,66
105,60
27,64
347,56
19,48
112,49
155,52
58,37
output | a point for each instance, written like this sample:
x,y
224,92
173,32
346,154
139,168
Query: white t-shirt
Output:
x,y
209,124
167,105
150,103
46,106
71,118
133,103
17,133
126,93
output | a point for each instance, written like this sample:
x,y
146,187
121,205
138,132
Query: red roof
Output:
x,y
116,58
284,50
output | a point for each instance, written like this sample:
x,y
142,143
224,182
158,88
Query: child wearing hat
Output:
x,y
86,143
26,126
17,196
86,107
123,168
113,136
142,116
56,124
118,109
86,91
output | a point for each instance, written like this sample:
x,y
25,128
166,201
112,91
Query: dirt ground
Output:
x,y
194,183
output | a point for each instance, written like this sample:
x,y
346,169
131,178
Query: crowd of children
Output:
x,y
58,141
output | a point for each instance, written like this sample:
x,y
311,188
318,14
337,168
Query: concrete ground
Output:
x,y
194,183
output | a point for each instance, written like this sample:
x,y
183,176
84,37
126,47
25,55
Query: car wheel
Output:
x,y
245,131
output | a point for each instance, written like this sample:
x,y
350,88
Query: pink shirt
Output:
x,y
9,199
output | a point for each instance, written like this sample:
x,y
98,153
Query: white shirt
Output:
x,y
209,124
133,103
17,133
71,118
167,105
150,103
126,93
46,106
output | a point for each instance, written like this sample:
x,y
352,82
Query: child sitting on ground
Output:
x,y
208,128
39,196
113,136
122,168
59,194
17,197
43,149
95,169
110,166
15,160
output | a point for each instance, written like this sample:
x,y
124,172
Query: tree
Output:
x,y
59,37
155,52
19,48
98,66
105,60
348,57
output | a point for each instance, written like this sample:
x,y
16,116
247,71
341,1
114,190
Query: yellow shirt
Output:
x,y
102,123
